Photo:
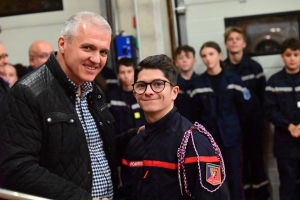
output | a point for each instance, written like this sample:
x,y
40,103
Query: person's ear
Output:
x,y
194,62
175,92
244,44
134,94
220,56
62,44
31,59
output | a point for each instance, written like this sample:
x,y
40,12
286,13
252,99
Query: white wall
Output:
x,y
153,24
205,21
19,31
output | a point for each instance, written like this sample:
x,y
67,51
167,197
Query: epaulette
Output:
x,y
181,156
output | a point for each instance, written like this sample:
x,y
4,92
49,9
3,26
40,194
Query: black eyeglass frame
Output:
x,y
150,83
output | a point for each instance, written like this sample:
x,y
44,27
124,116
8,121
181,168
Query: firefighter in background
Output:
x,y
255,179
122,103
220,100
282,107
185,61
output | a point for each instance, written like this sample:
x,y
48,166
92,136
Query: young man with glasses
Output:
x,y
39,52
166,161
4,87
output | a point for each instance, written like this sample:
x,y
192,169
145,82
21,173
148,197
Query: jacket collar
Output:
x,y
161,124
242,64
59,74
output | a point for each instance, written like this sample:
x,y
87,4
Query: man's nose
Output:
x,y
96,57
148,89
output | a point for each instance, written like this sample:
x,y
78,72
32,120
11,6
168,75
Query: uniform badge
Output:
x,y
246,94
137,115
213,174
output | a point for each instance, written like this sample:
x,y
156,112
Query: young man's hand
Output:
x,y
294,130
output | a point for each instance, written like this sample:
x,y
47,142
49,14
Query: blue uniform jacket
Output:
x,y
253,76
282,107
125,109
183,100
149,167
222,114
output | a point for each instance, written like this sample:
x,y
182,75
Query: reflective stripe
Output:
x,y
236,87
260,75
257,186
247,186
182,92
112,81
168,165
135,106
279,89
200,90
297,89
248,77
252,76
117,103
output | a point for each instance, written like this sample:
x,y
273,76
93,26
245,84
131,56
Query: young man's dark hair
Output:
x,y
184,48
161,62
290,43
126,62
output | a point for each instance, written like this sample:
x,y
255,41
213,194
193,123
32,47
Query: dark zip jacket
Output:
x,y
43,149
149,167
282,107
222,112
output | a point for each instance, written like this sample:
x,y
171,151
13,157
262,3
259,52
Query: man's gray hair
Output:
x,y
70,30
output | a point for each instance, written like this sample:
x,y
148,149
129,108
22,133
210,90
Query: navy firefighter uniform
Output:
x,y
220,104
254,175
183,100
282,108
150,164
125,109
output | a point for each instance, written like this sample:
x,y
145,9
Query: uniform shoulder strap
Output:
x,y
181,156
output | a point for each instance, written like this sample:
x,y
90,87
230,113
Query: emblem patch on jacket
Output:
x,y
246,94
213,174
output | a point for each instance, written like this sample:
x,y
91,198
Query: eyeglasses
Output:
x,y
2,56
156,85
42,55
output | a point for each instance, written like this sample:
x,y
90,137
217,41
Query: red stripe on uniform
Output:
x,y
154,163
168,165
202,159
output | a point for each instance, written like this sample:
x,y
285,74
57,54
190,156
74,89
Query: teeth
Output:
x,y
90,68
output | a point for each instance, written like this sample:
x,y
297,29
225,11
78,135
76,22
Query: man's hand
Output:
x,y
294,130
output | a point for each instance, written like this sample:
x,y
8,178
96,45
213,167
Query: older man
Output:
x,y
56,133
39,52
3,61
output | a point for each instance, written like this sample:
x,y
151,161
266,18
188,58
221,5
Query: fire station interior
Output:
x,y
147,27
